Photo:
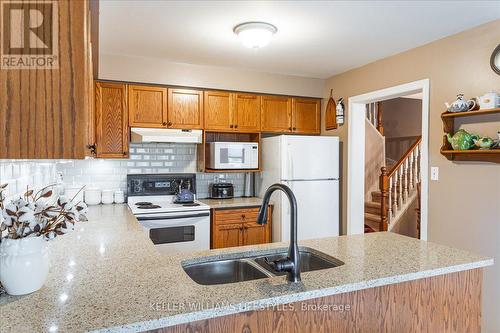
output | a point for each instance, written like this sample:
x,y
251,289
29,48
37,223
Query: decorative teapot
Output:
x,y
184,194
460,105
462,140
484,143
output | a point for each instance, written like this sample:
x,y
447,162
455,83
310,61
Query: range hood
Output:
x,y
165,135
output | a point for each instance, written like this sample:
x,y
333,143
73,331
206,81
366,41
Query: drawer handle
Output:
x,y
243,216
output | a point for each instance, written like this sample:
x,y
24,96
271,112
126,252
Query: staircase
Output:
x,y
398,183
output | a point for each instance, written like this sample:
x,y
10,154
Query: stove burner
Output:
x,y
192,204
184,203
143,203
151,206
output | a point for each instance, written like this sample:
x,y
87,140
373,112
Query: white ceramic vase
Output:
x,y
24,264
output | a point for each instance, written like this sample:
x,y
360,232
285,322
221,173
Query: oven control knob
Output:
x,y
224,191
137,189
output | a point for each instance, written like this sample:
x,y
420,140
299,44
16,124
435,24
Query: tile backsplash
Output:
x,y
112,173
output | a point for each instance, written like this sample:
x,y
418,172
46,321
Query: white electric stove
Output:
x,y
172,227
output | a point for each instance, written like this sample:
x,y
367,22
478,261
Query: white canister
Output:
x,y
92,196
489,100
73,191
107,197
119,197
24,264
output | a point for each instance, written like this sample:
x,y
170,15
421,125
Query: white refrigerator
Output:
x,y
309,165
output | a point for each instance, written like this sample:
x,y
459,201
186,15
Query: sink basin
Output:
x,y
224,271
309,261
245,268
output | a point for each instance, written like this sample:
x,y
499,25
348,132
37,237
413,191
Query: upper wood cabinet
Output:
x,y
276,114
246,115
147,106
232,112
111,120
185,109
218,110
45,112
306,114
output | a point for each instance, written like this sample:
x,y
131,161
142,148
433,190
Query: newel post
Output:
x,y
380,127
384,198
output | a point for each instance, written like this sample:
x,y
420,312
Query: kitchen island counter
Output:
x,y
108,277
250,202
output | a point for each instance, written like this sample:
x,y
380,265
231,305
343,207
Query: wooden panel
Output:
x,y
185,108
276,114
147,106
445,303
228,235
44,112
218,110
306,116
247,112
111,120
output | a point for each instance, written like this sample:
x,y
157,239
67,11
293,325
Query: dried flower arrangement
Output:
x,y
38,214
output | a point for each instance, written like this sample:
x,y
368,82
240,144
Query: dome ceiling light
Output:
x,y
255,34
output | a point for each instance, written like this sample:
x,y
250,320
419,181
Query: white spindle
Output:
x,y
401,178
396,178
410,168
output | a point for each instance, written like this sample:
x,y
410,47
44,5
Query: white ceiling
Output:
x,y
315,38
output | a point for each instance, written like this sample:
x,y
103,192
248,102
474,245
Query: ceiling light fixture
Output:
x,y
255,34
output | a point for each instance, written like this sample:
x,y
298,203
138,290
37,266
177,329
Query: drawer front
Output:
x,y
248,215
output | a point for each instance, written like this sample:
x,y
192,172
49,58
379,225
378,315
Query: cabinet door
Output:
x,y
147,106
276,114
111,120
228,235
185,108
218,111
254,233
306,115
246,112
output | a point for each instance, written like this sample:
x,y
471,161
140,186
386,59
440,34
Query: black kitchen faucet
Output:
x,y
290,264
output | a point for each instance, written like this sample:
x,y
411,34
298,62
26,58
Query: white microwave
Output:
x,y
233,155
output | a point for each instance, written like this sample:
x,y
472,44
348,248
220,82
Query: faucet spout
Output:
x,y
291,264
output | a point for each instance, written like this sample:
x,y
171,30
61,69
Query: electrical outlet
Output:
x,y
434,173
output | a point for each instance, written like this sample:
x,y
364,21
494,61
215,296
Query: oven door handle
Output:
x,y
173,217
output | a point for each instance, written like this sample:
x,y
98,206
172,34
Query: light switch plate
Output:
x,y
434,173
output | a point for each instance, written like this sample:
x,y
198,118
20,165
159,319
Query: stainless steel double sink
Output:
x,y
246,268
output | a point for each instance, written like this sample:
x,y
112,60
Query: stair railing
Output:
x,y
397,184
374,115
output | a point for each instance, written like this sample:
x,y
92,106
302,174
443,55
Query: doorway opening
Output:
x,y
402,182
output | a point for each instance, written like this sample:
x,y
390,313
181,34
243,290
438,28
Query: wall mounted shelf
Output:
x,y
484,155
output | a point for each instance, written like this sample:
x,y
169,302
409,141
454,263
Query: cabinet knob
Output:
x,y
231,126
243,216
294,128
289,128
125,153
169,123
235,126
164,123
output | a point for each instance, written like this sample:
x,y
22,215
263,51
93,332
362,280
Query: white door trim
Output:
x,y
356,152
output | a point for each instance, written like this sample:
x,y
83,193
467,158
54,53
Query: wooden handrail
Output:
x,y
404,157
393,190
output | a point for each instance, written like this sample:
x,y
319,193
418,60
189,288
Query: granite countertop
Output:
x,y
107,277
233,203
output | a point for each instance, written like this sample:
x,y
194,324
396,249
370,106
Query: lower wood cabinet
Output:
x,y
238,227
111,120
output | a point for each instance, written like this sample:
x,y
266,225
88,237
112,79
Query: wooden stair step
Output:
x,y
373,221
372,207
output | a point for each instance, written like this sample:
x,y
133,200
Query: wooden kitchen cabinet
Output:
x,y
185,109
238,227
246,116
147,106
306,113
276,114
111,120
232,112
218,111
45,112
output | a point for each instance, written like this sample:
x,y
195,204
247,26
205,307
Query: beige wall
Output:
x,y
154,70
402,117
464,205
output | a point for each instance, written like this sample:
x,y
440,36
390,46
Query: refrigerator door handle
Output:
x,y
290,162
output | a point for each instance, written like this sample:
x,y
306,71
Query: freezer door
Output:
x,y
318,210
310,157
